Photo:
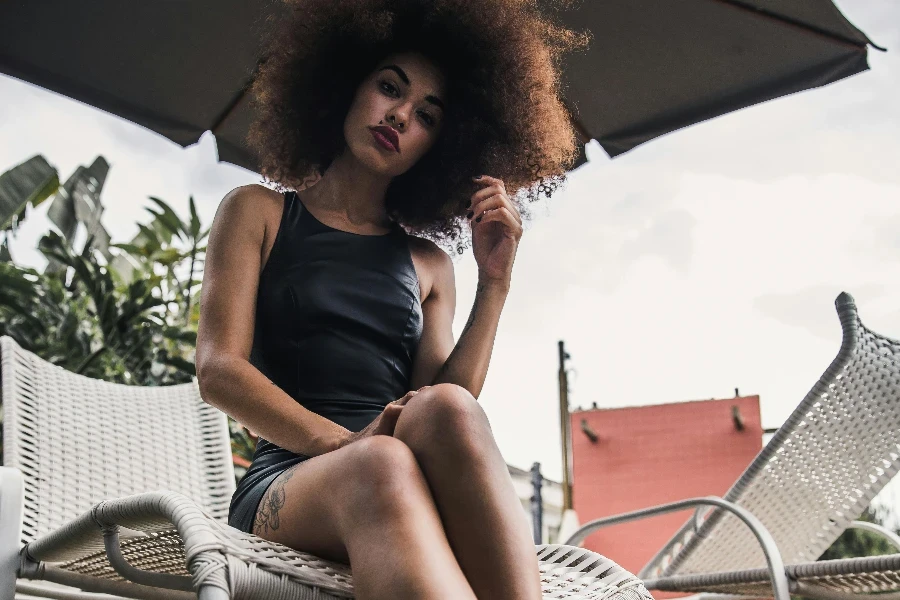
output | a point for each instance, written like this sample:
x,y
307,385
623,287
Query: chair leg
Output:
x,y
12,501
211,592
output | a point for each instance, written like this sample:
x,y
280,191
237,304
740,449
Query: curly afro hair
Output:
x,y
504,118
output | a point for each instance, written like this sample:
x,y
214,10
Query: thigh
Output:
x,y
308,507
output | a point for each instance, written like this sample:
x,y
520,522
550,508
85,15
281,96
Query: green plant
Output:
x,y
85,320
131,320
859,542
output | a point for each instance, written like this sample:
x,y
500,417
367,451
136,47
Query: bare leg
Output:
x,y
366,504
451,438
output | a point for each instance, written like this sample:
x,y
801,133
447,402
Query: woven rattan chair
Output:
x,y
125,490
816,475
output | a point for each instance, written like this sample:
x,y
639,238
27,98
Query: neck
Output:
x,y
352,191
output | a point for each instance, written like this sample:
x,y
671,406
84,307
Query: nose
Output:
x,y
395,121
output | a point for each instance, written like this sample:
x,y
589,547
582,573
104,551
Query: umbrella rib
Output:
x,y
223,116
803,25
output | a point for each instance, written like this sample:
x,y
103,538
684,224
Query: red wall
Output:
x,y
651,455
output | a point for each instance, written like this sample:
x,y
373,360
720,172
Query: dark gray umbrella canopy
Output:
x,y
655,66
182,67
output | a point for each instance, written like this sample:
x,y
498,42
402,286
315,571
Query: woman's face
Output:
x,y
404,93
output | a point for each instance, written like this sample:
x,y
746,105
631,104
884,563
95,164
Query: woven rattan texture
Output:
x,y
255,568
570,572
92,454
159,552
820,470
252,563
78,441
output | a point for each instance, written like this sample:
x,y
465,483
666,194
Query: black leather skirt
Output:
x,y
269,461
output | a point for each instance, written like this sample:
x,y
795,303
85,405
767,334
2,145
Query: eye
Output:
x,y
388,86
428,119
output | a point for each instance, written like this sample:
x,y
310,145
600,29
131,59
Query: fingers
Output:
x,y
488,191
492,186
490,180
485,193
389,418
490,198
409,395
403,400
504,217
493,203
392,411
385,422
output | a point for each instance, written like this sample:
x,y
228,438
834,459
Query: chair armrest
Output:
x,y
142,514
153,520
12,505
892,538
766,541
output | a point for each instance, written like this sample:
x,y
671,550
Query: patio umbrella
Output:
x,y
183,67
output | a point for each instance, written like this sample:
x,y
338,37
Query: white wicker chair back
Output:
x,y
79,441
820,470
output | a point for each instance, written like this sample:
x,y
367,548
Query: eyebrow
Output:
x,y
400,73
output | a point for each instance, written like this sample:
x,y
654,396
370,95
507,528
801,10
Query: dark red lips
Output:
x,y
391,134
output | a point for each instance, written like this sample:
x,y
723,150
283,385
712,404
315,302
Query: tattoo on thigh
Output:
x,y
267,517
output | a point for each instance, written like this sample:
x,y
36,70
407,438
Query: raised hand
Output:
x,y
496,230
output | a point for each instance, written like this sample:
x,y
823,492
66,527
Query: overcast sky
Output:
x,y
702,261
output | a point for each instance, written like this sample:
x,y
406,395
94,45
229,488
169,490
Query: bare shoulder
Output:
x,y
249,211
434,265
430,253
251,200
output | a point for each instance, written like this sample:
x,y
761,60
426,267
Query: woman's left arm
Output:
x,y
496,231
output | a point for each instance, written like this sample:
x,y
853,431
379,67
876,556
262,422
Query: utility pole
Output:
x,y
565,426
537,504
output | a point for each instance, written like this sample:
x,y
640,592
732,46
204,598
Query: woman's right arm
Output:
x,y
227,313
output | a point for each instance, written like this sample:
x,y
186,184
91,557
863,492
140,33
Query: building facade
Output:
x,y
630,458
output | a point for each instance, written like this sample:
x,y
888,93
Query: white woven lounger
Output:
x,y
125,490
816,475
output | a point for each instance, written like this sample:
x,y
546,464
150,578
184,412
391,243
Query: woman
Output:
x,y
327,305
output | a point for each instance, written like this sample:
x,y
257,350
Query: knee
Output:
x,y
382,474
440,410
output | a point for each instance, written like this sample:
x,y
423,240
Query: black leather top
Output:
x,y
338,322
